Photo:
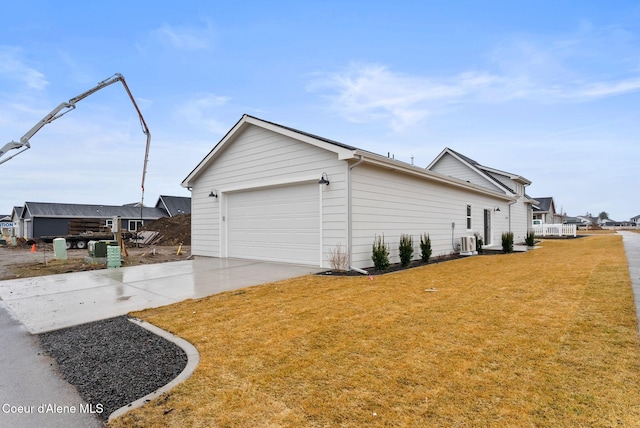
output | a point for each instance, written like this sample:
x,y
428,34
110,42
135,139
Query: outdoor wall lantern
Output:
x,y
213,194
324,179
497,209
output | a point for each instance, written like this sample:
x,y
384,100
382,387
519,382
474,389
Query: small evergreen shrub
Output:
x,y
425,247
507,242
405,249
380,253
530,240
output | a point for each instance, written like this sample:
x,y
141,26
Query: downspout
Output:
x,y
509,205
349,215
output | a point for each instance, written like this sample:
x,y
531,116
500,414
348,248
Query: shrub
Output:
x,y
425,247
479,243
339,258
507,242
405,249
380,253
530,240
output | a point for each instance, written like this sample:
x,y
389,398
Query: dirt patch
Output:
x,y
171,230
20,262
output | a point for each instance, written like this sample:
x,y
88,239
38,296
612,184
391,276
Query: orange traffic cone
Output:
x,y
33,248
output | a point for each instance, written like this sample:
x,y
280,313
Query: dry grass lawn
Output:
x,y
546,338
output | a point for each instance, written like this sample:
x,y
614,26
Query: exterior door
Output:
x,y
487,227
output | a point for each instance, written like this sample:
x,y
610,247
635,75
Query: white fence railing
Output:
x,y
554,229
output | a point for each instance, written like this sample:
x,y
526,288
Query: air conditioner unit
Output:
x,y
468,246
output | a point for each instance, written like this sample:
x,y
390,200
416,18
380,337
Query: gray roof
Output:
x,y
48,209
174,205
544,204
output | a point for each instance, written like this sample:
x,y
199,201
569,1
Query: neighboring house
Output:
x,y
518,213
545,210
16,218
6,230
635,220
174,205
271,192
587,220
51,219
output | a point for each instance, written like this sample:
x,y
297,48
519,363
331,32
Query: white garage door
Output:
x,y
277,224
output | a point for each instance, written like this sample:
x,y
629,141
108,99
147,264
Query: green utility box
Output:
x,y
113,257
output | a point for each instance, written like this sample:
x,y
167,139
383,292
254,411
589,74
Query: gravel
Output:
x,y
113,362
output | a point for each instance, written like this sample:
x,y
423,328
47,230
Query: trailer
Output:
x,y
79,241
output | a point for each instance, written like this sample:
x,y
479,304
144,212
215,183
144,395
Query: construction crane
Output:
x,y
65,108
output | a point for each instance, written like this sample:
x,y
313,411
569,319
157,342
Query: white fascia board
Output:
x,y
374,159
342,152
208,158
515,177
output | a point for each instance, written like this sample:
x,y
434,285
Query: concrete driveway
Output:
x,y
58,301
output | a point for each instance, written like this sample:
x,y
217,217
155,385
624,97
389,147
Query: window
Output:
x,y
134,225
468,217
109,224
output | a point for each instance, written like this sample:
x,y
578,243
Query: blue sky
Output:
x,y
548,90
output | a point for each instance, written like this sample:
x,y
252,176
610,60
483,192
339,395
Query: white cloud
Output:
x,y
586,65
201,110
15,68
367,92
185,38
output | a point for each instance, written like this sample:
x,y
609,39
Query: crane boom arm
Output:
x,y
65,108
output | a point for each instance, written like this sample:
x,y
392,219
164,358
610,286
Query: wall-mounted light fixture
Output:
x,y
497,209
324,179
213,194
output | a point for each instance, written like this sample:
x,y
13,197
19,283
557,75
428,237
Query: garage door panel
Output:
x,y
278,224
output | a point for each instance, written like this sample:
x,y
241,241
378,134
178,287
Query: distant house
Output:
x,y
271,192
635,220
6,230
51,219
545,210
174,205
18,228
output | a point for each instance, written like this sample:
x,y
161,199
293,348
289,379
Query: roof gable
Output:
x,y
505,181
174,205
343,151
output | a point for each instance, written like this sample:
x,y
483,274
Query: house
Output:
x,y
51,219
635,220
174,205
519,213
271,192
6,226
545,211
18,229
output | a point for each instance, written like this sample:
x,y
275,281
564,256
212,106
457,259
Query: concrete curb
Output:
x,y
193,359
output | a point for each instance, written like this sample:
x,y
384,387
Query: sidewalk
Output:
x,y
28,383
631,242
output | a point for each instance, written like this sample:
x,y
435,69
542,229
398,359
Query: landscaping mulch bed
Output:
x,y
113,362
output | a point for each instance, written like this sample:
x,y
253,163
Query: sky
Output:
x,y
544,89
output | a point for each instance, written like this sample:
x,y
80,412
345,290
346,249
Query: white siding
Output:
x,y
256,158
390,203
448,165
